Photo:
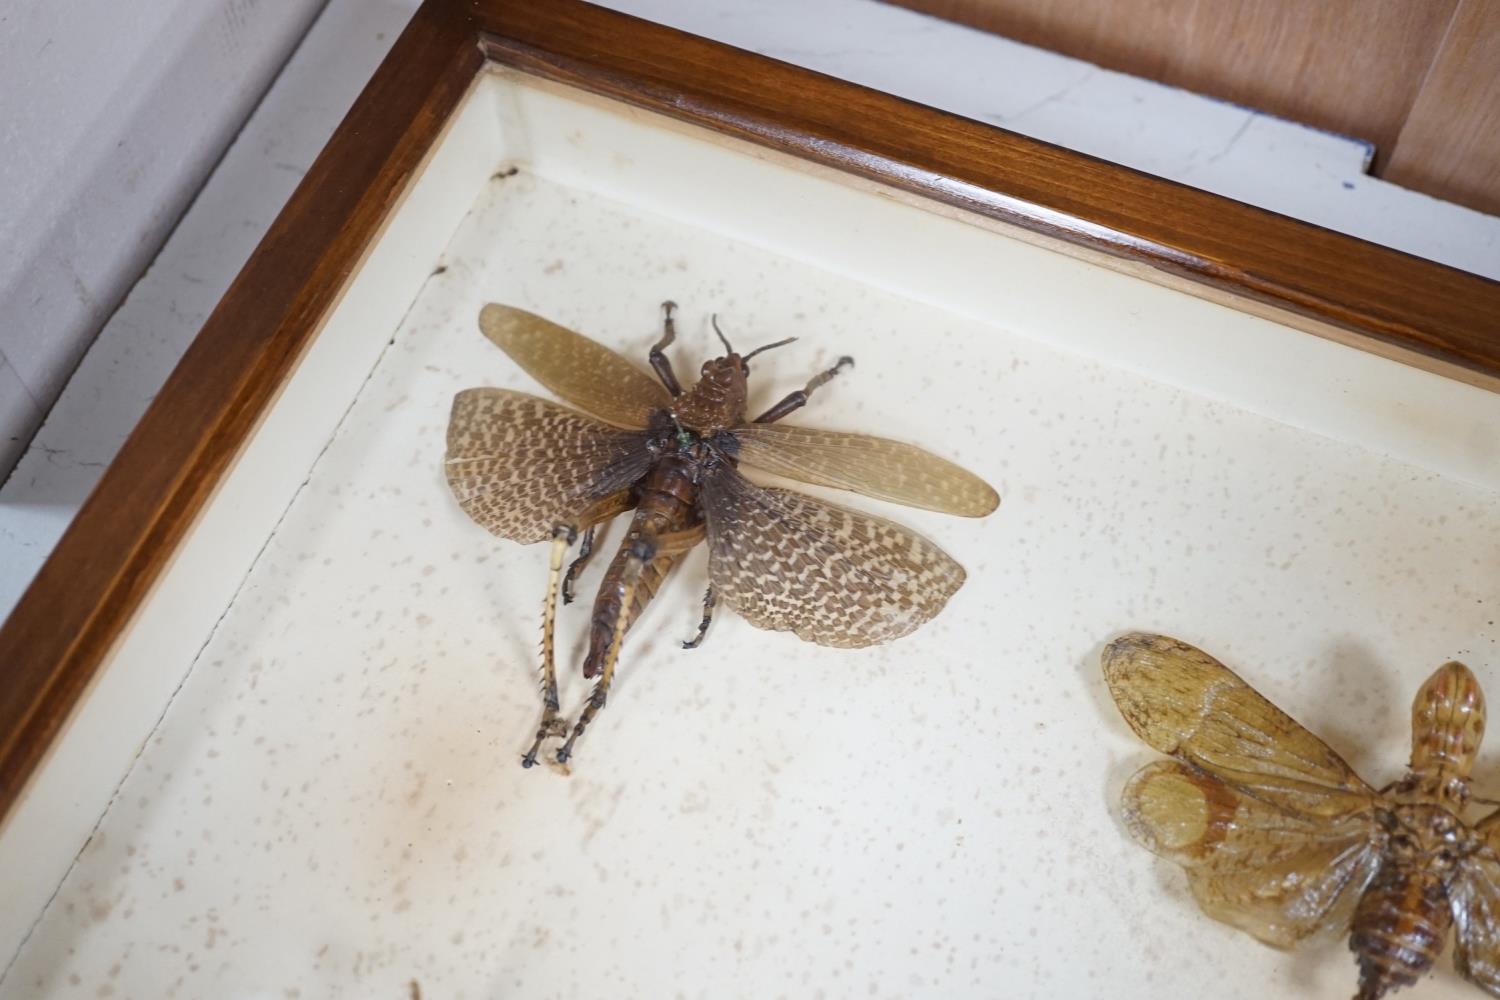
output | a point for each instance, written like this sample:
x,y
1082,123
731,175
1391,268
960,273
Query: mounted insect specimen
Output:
x,y
1282,840
529,470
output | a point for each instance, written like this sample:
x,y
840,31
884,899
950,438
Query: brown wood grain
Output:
x,y
87,591
1349,66
1421,309
1450,145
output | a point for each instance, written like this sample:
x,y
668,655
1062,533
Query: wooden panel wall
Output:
x,y
1450,145
1418,78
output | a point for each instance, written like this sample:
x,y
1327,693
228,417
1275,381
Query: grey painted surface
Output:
x,y
111,117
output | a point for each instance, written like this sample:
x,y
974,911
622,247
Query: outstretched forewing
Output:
x,y
584,373
1185,703
876,467
1258,864
834,576
1475,901
521,466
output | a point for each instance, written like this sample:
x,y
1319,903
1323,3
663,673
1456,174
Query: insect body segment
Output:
x,y
666,525
1403,916
530,471
1281,839
717,401
1447,725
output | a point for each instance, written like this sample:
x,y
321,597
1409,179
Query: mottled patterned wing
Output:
x,y
1185,703
1475,901
584,373
520,465
834,576
876,467
1259,864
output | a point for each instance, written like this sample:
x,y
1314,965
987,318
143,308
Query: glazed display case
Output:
x,y
265,703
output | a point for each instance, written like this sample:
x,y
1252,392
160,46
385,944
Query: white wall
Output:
x,y
111,117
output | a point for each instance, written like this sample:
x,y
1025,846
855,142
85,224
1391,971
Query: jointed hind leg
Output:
x,y
551,725
641,552
643,549
563,536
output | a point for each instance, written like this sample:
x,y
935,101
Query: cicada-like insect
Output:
x,y
1281,839
532,471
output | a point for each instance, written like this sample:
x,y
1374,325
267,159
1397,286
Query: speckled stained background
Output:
x,y
332,806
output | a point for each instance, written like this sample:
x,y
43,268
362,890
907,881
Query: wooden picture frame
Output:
x,y
1330,285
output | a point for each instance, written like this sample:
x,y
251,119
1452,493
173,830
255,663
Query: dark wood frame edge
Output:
x,y
103,567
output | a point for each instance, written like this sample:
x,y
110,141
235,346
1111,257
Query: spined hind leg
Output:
x,y
563,536
641,552
671,544
551,725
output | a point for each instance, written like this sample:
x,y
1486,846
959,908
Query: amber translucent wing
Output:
x,y
1475,901
834,576
1258,864
584,373
876,467
1185,703
520,465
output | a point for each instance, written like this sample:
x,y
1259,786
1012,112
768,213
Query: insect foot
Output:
x,y
553,728
591,708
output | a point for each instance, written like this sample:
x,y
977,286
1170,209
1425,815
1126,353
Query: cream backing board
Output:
x,y
343,665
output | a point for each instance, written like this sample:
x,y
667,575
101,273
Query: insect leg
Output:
x,y
585,551
677,543
798,399
710,601
562,537
603,510
642,550
660,363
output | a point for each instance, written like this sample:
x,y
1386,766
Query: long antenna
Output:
x,y
767,347
714,319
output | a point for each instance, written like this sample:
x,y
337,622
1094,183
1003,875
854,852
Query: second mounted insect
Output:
x,y
1282,839
532,471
